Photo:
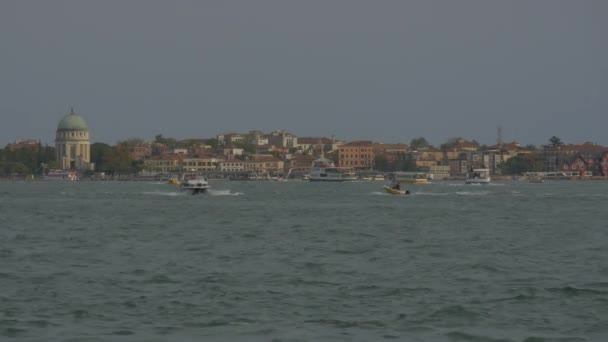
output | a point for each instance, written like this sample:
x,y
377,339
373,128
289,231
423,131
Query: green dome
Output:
x,y
73,122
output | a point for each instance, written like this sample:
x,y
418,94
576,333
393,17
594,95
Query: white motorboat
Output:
x,y
194,186
324,170
478,176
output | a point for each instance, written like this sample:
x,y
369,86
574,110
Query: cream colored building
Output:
x,y
72,144
232,165
200,164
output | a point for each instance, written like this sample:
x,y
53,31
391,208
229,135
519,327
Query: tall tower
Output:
x,y
72,143
499,137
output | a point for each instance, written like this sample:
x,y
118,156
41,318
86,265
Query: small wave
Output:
x,y
122,332
453,313
161,193
224,193
432,193
348,324
12,332
472,193
554,339
462,336
574,291
160,279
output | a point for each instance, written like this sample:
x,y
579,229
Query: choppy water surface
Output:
x,y
298,261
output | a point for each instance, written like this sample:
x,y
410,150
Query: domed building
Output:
x,y
72,143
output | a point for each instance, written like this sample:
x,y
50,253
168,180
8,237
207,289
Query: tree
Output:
x,y
516,166
406,165
555,141
381,163
170,142
13,168
531,147
419,142
247,147
450,143
98,151
213,142
131,142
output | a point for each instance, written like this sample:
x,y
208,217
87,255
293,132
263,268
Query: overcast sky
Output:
x,y
385,70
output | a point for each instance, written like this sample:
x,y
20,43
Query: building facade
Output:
x,y
72,143
356,154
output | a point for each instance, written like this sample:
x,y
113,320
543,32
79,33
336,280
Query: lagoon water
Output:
x,y
299,261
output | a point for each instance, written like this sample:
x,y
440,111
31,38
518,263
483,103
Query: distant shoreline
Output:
x,y
136,179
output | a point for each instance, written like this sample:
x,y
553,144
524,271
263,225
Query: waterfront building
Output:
x,y
299,164
139,151
438,171
200,164
458,167
31,144
356,154
231,152
232,165
265,164
72,143
316,145
230,138
163,164
160,149
282,139
553,157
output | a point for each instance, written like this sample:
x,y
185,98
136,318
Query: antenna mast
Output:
x,y
499,136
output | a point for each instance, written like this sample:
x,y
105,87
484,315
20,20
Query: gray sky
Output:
x,y
386,70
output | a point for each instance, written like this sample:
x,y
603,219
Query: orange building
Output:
x,y
356,154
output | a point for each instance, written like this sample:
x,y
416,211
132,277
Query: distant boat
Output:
x,y
410,177
478,176
393,191
63,175
374,178
195,185
324,170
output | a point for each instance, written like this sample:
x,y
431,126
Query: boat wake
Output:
x,y
421,193
472,193
223,193
161,193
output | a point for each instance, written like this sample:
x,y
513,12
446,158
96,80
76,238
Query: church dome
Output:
x,y
72,122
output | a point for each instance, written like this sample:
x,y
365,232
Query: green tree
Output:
x,y
419,142
381,163
98,151
531,147
170,142
555,141
450,143
10,168
516,166
213,142
247,147
130,142
117,161
405,165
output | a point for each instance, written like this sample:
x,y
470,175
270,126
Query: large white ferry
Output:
x,y
324,170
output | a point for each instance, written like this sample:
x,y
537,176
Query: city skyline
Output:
x,y
151,138
356,69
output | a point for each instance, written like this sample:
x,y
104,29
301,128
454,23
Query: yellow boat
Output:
x,y
392,191
174,181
